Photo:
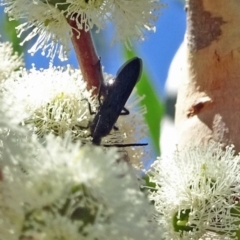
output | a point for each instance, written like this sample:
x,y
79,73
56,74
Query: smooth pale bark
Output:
x,y
208,103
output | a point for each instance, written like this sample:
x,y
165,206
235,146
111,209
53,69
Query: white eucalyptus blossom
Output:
x,y
197,193
138,15
61,190
133,129
44,21
55,99
10,61
47,19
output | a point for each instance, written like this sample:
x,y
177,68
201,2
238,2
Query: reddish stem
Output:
x,y
88,60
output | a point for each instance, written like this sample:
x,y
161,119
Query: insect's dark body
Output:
x,y
115,99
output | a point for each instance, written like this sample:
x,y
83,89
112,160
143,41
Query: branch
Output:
x,y
88,60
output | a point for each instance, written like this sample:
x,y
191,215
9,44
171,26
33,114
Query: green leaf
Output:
x,y
155,109
148,183
10,31
180,221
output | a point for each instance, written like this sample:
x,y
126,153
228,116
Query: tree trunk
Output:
x,y
208,103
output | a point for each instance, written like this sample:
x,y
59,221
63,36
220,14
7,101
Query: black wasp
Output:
x,y
115,97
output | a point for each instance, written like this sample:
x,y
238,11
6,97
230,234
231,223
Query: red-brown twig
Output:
x,y
88,60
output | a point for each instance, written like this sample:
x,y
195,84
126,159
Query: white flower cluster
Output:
x,y
10,61
60,190
48,19
55,99
129,134
197,193
42,20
